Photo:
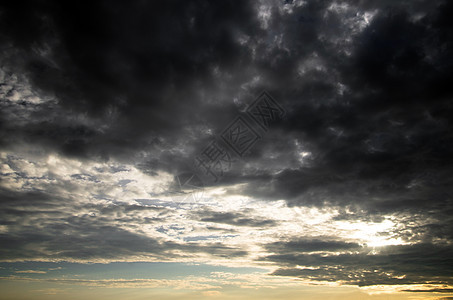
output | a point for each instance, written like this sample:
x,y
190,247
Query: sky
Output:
x,y
226,149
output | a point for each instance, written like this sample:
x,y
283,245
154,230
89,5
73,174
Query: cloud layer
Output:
x,y
103,103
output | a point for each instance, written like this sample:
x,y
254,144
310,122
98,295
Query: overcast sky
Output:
x,y
343,177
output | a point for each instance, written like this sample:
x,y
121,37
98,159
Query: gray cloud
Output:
x,y
402,264
310,245
233,218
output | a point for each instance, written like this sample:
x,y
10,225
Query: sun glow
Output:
x,y
372,234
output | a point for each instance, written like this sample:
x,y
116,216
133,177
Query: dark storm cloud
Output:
x,y
380,143
146,71
148,63
149,66
383,142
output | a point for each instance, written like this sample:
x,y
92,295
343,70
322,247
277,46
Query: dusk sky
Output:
x,y
226,149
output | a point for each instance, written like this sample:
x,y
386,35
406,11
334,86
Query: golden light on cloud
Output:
x,y
291,149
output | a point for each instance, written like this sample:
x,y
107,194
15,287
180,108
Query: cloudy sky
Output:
x,y
226,149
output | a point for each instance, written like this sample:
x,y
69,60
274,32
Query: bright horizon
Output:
x,y
290,149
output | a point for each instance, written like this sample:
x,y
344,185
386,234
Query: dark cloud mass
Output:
x,y
366,86
141,72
